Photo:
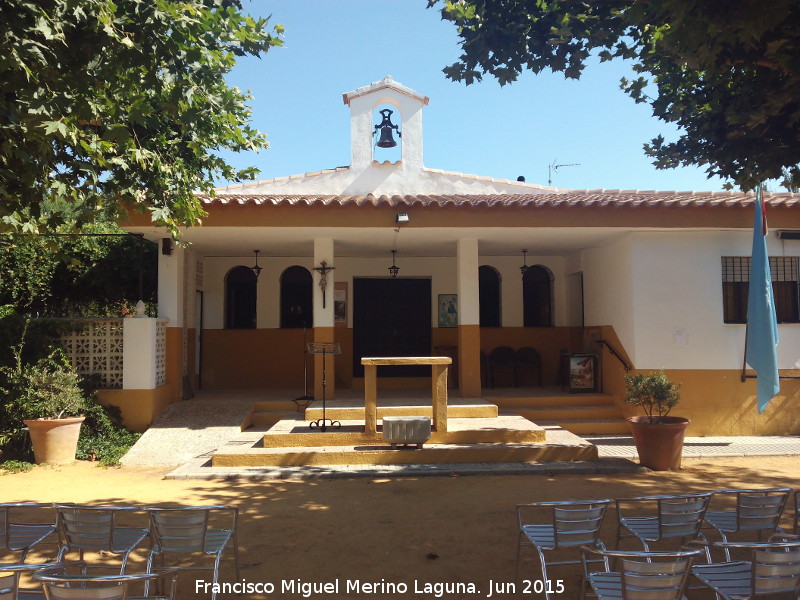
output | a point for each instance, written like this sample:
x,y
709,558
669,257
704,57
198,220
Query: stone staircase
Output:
x,y
581,414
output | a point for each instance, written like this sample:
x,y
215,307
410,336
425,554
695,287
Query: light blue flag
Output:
x,y
762,324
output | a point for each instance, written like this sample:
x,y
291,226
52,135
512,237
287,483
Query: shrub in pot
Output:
x,y
47,398
657,435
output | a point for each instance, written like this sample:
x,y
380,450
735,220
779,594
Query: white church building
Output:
x,y
638,280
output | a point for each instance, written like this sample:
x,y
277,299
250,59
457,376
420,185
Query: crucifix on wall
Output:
x,y
323,278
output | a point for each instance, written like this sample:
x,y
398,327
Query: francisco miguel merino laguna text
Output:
x,y
308,588
436,589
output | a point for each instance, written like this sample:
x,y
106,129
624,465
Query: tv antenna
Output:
x,y
553,168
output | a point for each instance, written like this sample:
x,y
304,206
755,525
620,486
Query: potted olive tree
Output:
x,y
658,436
47,398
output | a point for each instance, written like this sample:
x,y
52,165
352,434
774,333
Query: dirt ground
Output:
x,y
409,538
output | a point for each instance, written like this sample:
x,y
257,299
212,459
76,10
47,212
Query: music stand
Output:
x,y
324,348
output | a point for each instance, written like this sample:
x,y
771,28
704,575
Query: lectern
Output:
x,y
324,348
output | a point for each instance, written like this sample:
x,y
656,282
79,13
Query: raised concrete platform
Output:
x,y
244,457
293,431
474,433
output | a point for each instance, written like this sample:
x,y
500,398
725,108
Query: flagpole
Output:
x,y
744,358
762,335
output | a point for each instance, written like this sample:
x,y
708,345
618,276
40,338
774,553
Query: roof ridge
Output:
x,y
249,184
523,184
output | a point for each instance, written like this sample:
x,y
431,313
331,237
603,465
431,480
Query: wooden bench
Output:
x,y
438,365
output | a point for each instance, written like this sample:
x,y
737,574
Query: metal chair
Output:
x,y
72,581
503,357
486,373
21,537
569,524
757,510
95,529
189,530
10,576
641,575
528,359
11,580
772,571
676,516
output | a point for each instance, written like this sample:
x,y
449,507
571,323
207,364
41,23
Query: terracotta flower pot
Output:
x,y
659,445
55,440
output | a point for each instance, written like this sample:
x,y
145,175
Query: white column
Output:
x,y
139,354
467,268
323,251
170,285
469,336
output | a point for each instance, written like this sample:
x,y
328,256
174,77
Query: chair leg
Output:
x,y
149,570
544,573
216,575
124,563
727,550
236,556
519,550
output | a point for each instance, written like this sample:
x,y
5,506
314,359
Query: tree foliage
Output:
x,y
119,104
95,272
726,73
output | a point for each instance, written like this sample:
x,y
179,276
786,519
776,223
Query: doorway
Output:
x,y
391,317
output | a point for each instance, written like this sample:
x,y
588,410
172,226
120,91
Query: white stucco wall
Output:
x,y
608,290
441,270
662,291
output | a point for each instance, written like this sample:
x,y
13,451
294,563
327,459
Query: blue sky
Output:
x,y
484,129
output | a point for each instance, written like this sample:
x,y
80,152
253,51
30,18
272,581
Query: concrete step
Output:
x,y
268,418
572,413
276,406
539,401
511,429
597,426
454,410
242,456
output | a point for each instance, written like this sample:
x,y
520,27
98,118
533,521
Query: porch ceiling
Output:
x,y
366,242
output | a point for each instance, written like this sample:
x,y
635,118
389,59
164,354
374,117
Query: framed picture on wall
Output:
x,y
340,304
448,310
582,372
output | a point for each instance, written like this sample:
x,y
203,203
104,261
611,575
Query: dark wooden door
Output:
x,y
391,317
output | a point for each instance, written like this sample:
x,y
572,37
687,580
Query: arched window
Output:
x,y
489,296
240,298
296,298
537,297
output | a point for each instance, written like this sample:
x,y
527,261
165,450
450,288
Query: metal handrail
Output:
x,y
615,354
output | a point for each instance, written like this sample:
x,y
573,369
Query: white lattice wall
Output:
x,y
95,349
161,352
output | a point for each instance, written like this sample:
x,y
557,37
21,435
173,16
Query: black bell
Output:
x,y
387,139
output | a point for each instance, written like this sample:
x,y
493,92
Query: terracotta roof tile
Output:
x,y
573,198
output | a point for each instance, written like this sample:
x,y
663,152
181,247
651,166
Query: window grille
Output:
x,y
785,271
